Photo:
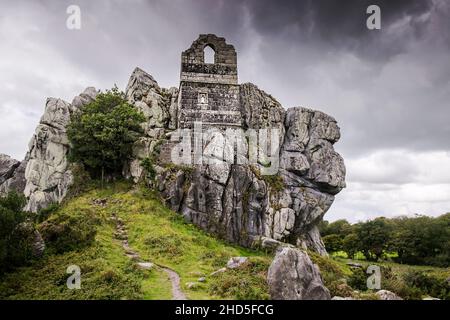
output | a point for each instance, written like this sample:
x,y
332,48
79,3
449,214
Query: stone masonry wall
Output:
x,y
209,92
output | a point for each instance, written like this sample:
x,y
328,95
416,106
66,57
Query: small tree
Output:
x,y
374,237
350,245
102,133
333,242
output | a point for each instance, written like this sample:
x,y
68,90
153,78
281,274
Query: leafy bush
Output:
x,y
333,275
374,237
16,236
102,133
422,240
428,284
339,227
393,281
340,288
358,279
44,213
66,233
149,169
332,242
350,245
248,282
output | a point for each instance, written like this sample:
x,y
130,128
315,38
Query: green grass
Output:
x,y
161,236
336,274
157,286
105,274
158,235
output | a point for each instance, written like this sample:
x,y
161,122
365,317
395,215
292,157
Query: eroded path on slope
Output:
x,y
121,234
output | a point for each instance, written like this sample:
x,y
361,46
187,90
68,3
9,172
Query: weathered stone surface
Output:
x,y
387,295
259,109
236,262
159,107
7,167
12,174
354,265
87,96
269,243
145,94
38,247
309,141
47,176
145,265
235,200
218,271
293,276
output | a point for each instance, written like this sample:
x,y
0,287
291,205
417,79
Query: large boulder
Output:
x,y
12,174
159,107
7,167
293,276
47,176
246,202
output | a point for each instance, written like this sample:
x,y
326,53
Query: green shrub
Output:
x,y
332,242
44,213
329,269
358,279
66,233
333,275
16,236
20,246
149,169
428,284
248,282
218,259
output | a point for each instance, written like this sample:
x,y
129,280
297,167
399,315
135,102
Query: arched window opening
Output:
x,y
208,54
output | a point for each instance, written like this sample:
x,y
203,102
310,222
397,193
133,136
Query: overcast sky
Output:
x,y
388,89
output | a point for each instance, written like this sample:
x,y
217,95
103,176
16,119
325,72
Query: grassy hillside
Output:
x,y
82,232
157,234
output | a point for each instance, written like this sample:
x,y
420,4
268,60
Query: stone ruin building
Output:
x,y
209,92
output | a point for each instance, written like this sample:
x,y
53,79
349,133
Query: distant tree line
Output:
x,y
418,240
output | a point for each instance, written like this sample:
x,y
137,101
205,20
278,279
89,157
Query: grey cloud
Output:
x,y
340,24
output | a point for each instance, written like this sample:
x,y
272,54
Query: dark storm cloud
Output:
x,y
340,24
